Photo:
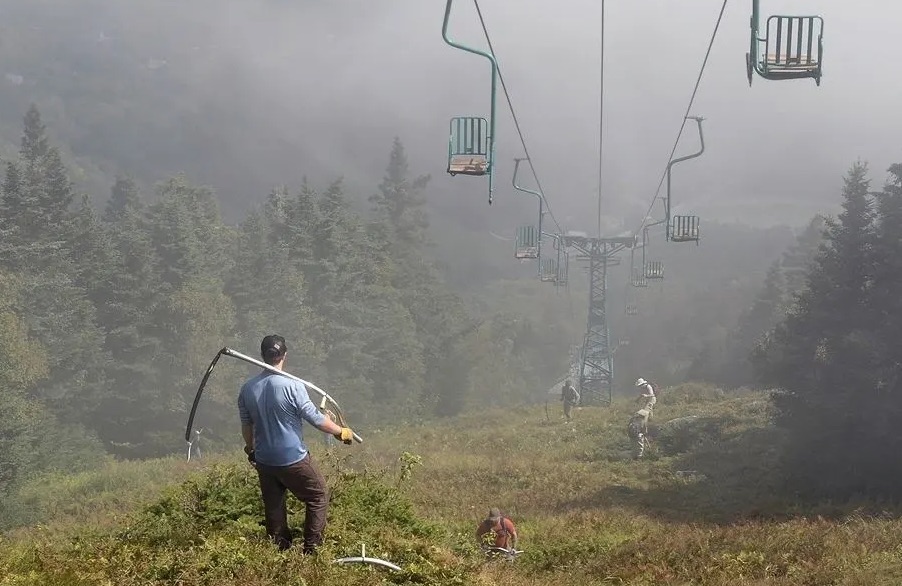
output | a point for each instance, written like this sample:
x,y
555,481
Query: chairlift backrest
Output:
x,y
791,47
638,279
793,43
563,269
654,269
468,146
527,242
548,269
684,229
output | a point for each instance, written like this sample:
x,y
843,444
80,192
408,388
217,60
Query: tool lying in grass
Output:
x,y
509,554
362,559
326,398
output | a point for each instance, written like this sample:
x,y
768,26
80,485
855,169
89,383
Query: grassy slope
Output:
x,y
586,511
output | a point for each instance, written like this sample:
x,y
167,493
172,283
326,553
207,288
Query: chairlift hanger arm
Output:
x,y
468,49
701,139
494,64
535,193
557,239
645,230
667,201
514,180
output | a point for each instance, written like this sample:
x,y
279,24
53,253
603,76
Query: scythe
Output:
x,y
235,354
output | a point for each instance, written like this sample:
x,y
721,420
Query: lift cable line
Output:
x,y
514,116
698,81
601,120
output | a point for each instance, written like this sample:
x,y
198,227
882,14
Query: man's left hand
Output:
x,y
345,435
251,455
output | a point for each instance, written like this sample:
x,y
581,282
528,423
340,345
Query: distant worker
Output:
x,y
272,408
648,394
637,429
570,398
497,531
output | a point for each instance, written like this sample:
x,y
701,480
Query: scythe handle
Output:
x,y
263,365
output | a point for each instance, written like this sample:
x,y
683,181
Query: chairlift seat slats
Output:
x,y
563,268
684,229
787,62
468,147
527,246
476,165
691,236
654,269
792,48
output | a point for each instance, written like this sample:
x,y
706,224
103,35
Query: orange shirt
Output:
x,y
504,534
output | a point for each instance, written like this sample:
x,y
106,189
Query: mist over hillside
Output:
x,y
244,95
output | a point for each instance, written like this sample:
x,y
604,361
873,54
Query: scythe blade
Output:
x,y
200,390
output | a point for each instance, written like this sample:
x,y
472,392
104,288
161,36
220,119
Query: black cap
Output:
x,y
272,347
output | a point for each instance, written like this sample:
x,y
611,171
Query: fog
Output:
x,y
350,75
321,88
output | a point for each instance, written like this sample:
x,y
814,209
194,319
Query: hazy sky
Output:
x,y
775,150
322,87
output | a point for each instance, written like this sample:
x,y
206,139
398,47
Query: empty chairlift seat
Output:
x,y
468,148
638,279
548,270
792,48
563,268
654,269
684,229
527,243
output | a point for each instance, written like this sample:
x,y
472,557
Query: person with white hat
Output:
x,y
648,393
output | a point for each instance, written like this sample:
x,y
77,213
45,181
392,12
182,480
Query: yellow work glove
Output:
x,y
345,435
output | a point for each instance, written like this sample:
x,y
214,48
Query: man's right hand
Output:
x,y
345,435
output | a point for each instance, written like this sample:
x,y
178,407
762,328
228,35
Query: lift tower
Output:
x,y
596,366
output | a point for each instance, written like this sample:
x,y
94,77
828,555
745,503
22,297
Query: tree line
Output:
x,y
823,333
109,317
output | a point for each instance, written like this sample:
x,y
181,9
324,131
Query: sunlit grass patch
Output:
x,y
705,507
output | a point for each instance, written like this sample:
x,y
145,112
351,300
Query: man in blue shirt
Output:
x,y
272,408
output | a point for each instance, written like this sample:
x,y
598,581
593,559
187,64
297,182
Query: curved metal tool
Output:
x,y
362,559
235,354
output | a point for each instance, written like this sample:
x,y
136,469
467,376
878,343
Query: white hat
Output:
x,y
641,382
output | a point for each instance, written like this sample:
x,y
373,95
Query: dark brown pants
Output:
x,y
308,485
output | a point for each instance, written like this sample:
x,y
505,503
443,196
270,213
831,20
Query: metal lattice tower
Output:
x,y
596,367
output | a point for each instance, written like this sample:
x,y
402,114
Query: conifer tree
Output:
x,y
125,200
43,234
128,316
796,261
821,356
400,201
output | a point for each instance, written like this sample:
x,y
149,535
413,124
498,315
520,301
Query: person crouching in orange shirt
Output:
x,y
501,529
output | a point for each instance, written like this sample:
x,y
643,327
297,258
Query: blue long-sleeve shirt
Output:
x,y
277,406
